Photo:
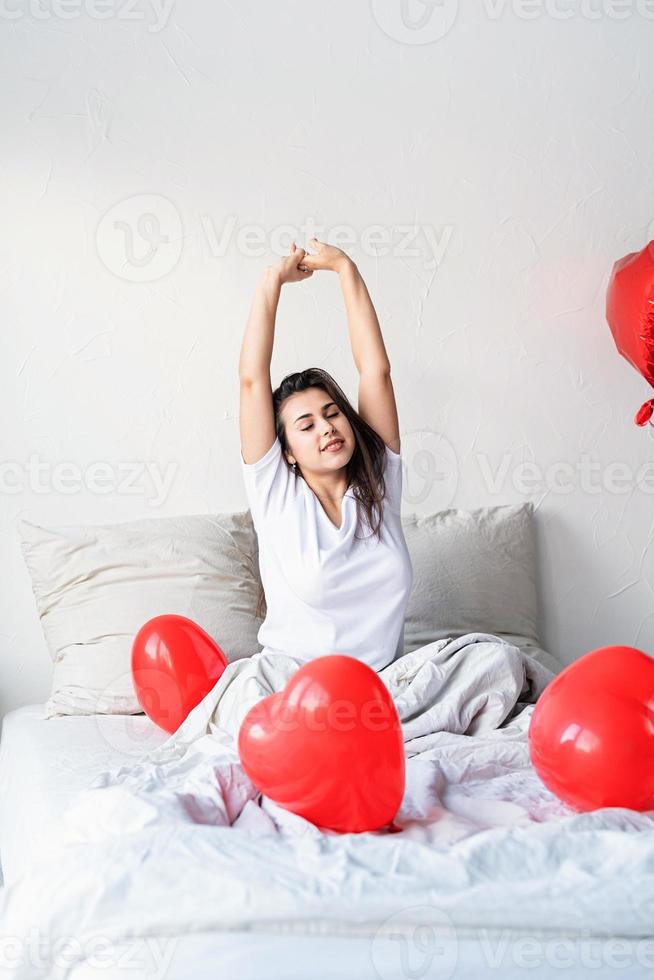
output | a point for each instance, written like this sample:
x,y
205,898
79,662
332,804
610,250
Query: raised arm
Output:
x,y
257,346
376,394
257,418
366,339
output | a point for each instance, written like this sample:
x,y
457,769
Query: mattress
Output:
x,y
43,764
423,954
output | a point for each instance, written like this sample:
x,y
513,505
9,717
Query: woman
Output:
x,y
324,482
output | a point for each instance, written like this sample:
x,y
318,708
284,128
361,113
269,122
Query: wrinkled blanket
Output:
x,y
469,686
482,840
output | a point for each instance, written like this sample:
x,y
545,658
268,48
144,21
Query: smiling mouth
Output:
x,y
334,447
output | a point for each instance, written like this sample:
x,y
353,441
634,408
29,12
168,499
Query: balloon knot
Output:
x,y
644,413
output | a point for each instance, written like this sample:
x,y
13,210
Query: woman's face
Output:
x,y
311,421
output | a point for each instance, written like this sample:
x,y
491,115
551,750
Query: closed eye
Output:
x,y
306,428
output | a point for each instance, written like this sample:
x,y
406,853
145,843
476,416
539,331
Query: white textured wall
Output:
x,y
140,143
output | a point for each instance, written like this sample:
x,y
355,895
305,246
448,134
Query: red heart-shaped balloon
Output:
x,y
174,664
591,735
630,314
329,747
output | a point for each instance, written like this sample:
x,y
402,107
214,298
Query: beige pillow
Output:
x,y
474,572
95,586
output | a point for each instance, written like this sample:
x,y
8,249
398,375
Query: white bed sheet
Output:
x,y
45,762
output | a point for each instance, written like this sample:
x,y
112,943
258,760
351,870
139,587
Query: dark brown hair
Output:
x,y
365,469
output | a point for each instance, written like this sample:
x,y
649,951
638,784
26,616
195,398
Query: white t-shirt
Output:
x,y
327,591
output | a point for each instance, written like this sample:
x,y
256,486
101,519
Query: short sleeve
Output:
x,y
395,459
393,481
267,484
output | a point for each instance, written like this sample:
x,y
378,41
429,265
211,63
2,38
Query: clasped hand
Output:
x,y
300,264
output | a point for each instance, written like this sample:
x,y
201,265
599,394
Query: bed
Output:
x,y
127,853
491,876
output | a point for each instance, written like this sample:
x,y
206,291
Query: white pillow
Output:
x,y
95,586
474,572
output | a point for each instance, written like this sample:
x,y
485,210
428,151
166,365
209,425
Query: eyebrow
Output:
x,y
308,415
